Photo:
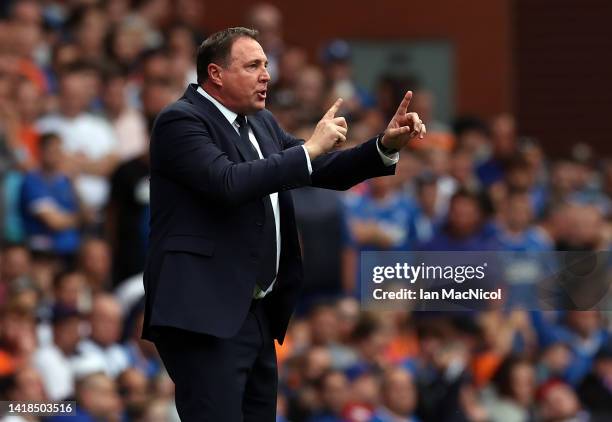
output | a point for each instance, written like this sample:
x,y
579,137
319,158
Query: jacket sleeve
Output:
x,y
182,150
341,169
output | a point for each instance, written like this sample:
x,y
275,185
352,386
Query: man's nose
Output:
x,y
265,75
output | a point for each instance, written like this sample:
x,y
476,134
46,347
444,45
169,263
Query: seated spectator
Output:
x,y
333,392
17,334
371,340
521,176
24,385
399,397
94,262
49,205
426,219
70,290
15,262
97,400
380,219
133,390
128,123
516,233
103,342
88,140
465,228
54,361
503,133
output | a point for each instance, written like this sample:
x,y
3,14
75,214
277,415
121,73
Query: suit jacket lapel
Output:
x,y
208,108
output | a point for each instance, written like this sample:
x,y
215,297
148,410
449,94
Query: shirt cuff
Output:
x,y
308,160
388,160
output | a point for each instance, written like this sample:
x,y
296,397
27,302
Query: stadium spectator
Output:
x,y
49,205
103,343
54,361
399,397
97,399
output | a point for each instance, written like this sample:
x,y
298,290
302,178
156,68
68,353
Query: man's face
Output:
x,y
245,79
74,94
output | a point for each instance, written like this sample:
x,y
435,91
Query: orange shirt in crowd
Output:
x,y
7,364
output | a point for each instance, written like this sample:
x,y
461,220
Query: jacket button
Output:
x,y
259,223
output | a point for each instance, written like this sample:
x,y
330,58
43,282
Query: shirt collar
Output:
x,y
229,114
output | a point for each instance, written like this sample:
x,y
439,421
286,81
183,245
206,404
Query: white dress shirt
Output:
x,y
231,117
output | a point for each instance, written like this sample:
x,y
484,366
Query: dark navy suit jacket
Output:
x,y
207,215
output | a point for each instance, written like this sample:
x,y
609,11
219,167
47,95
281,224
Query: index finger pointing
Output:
x,y
331,113
403,107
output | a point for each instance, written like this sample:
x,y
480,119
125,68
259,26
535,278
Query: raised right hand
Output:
x,y
329,132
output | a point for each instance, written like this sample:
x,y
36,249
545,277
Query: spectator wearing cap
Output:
x,y
54,361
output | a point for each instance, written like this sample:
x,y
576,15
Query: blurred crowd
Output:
x,y
81,82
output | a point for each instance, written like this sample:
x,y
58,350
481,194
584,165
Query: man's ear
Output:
x,y
215,74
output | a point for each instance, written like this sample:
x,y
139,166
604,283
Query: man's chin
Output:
x,y
258,106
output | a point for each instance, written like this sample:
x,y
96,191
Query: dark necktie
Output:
x,y
266,271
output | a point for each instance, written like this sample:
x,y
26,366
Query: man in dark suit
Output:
x,y
224,268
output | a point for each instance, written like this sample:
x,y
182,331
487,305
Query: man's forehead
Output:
x,y
246,48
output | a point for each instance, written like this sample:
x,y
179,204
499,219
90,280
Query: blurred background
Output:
x,y
516,98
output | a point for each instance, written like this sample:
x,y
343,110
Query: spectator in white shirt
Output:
x,y
88,140
54,361
106,325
